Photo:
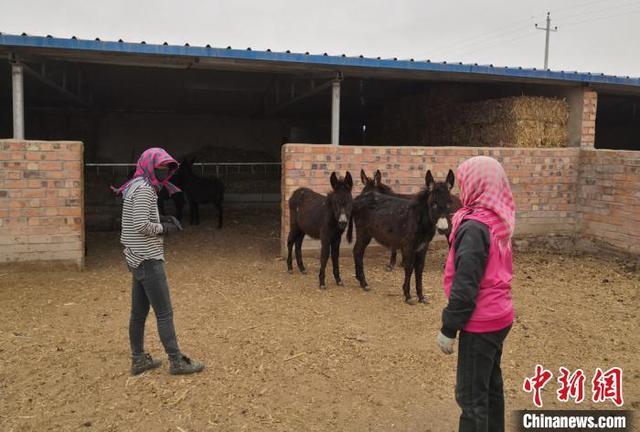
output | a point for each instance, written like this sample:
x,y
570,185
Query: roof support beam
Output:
x,y
17,80
55,86
335,112
314,90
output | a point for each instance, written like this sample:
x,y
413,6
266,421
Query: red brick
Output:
x,y
51,166
15,184
34,193
75,166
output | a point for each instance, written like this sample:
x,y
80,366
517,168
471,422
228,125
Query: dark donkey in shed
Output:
x,y
200,190
375,184
177,198
320,217
163,195
397,223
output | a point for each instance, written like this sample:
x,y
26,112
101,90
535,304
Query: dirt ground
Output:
x,y
281,355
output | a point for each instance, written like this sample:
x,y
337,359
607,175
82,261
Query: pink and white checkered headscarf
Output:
x,y
151,159
486,197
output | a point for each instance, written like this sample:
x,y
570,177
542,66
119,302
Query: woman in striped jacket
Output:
x,y
142,236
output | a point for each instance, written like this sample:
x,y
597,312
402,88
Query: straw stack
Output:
x,y
522,121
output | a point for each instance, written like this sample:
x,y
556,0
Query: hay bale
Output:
x,y
522,121
508,122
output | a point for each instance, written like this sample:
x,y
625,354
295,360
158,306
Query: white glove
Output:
x,y
445,343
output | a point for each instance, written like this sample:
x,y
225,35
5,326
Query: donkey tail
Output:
x,y
350,230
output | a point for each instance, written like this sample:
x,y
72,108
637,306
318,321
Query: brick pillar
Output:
x,y
41,201
589,107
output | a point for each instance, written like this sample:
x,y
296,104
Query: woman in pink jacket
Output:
x,y
477,282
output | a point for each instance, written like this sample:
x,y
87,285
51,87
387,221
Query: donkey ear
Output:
x,y
363,177
334,180
348,180
450,179
429,181
377,178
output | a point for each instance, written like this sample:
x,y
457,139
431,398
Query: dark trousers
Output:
x,y
479,391
150,288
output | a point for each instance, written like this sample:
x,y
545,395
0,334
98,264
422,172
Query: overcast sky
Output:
x,y
594,36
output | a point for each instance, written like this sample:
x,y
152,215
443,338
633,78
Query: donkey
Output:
x,y
408,225
200,190
375,184
177,198
163,195
323,217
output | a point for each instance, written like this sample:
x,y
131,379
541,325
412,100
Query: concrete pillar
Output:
x,y
576,106
17,76
335,113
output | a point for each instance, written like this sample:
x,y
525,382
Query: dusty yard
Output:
x,y
282,355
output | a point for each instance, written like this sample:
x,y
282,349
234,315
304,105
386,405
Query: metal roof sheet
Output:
x,y
142,48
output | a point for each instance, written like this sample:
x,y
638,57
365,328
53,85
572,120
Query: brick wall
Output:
x,y
544,181
41,201
609,198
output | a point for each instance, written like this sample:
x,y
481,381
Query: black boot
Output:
x,y
183,365
143,362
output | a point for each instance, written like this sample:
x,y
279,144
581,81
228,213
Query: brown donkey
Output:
x,y
375,184
320,217
396,223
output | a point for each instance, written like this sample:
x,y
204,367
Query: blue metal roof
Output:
x,y
121,47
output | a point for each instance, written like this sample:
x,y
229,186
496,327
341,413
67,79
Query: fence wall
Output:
x,y
609,198
544,181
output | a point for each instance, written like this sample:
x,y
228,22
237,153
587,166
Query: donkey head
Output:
x,y
439,199
340,200
186,167
374,184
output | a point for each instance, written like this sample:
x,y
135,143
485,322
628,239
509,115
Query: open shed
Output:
x,y
235,108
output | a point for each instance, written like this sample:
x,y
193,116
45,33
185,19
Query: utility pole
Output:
x,y
547,29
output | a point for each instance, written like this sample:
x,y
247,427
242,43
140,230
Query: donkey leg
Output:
x,y
192,211
358,256
178,201
324,257
299,262
196,206
408,259
392,260
419,269
290,241
335,259
219,208
161,206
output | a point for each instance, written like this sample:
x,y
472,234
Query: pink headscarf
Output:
x,y
486,197
151,159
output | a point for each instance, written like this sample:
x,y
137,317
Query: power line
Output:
x,y
569,24
515,26
500,43
581,5
632,4
505,32
515,31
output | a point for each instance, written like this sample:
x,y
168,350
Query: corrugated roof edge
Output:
x,y
98,45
